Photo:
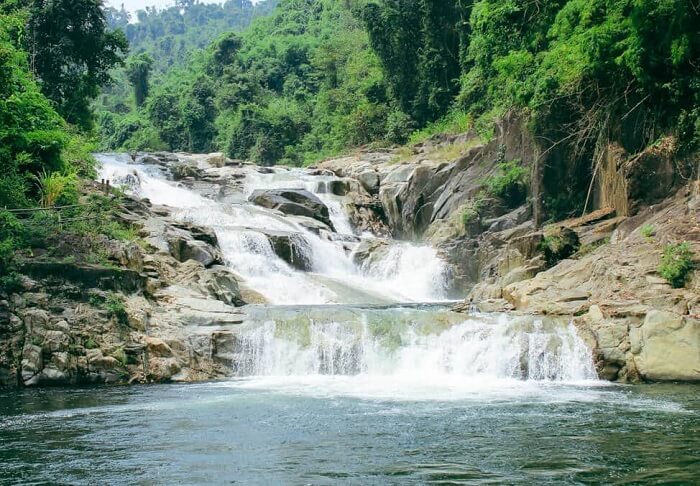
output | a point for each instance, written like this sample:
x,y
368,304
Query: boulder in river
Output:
x,y
297,202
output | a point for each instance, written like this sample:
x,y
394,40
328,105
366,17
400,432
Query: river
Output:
x,y
352,373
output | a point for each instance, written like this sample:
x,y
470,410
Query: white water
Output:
x,y
402,353
394,352
411,273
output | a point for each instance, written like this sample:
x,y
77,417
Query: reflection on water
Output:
x,y
252,431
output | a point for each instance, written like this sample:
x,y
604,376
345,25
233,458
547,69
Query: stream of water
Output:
x,y
353,374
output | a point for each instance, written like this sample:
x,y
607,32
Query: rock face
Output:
x,y
296,202
149,318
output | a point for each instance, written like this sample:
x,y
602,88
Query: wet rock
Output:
x,y
369,180
370,251
185,248
297,202
292,248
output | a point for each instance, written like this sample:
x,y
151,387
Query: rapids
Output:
x,y
381,328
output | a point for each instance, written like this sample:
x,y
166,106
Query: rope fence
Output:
x,y
55,211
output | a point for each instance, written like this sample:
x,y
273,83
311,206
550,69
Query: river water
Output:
x,y
353,374
253,431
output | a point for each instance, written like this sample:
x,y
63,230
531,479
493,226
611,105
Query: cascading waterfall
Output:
x,y
391,347
420,345
241,228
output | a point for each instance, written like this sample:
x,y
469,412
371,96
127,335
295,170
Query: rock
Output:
x,y
216,159
221,284
184,171
32,363
158,348
55,341
669,348
162,369
292,248
297,202
369,180
36,321
369,251
183,249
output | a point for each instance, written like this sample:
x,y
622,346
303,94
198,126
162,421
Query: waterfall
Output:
x,y
242,230
396,346
416,344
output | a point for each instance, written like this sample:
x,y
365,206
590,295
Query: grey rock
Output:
x,y
297,202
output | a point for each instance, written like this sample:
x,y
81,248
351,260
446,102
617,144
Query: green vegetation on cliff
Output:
x,y
45,143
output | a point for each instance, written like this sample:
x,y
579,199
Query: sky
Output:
x,y
134,5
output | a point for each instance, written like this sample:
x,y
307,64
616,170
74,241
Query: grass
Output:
x,y
510,183
647,231
114,304
471,211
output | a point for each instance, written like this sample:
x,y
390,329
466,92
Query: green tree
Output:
x,y
72,53
138,71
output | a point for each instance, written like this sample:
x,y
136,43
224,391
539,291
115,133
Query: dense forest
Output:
x,y
319,76
161,40
311,78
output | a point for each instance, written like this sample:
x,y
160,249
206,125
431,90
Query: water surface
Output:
x,y
256,431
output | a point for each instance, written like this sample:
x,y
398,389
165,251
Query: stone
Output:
x,y
32,362
369,180
55,341
162,369
670,347
157,348
184,248
216,159
298,202
292,248
36,321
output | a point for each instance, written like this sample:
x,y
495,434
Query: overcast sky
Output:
x,y
134,5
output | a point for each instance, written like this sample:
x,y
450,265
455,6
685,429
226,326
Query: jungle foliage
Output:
x,y
320,76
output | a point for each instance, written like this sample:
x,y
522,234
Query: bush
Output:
x,y
471,212
677,264
510,183
559,243
399,126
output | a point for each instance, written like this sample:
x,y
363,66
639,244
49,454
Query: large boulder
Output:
x,y
296,202
667,347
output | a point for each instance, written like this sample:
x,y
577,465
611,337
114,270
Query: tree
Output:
x,y
138,70
72,52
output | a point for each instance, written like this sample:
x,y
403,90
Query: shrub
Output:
x,y
399,126
471,212
510,183
677,264
55,187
